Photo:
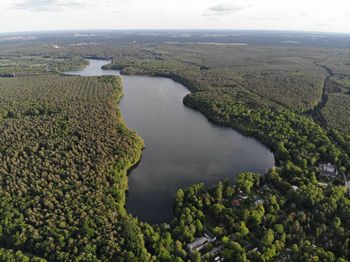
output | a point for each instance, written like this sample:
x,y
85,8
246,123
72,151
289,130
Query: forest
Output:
x,y
64,157
65,152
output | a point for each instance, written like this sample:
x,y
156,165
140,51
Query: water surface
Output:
x,y
182,146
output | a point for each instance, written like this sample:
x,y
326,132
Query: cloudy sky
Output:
x,y
306,15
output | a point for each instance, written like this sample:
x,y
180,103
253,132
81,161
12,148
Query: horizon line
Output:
x,y
169,30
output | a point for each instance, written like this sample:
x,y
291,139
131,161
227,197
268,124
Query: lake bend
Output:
x,y
182,146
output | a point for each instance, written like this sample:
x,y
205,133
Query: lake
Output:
x,y
182,146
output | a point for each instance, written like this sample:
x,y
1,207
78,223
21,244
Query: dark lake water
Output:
x,y
182,146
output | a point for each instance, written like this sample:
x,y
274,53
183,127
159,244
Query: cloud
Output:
x,y
50,5
223,9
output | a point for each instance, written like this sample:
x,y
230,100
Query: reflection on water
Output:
x,y
182,147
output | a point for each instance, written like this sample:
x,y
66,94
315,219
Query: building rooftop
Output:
x,y
328,169
197,244
235,202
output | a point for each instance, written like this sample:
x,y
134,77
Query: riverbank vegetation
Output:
x,y
65,152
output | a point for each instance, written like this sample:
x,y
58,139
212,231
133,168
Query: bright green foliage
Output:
x,y
244,181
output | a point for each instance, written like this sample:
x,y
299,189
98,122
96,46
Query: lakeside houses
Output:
x,y
197,244
328,169
201,242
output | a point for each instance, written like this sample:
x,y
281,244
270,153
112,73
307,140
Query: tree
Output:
x,y
243,230
267,238
279,228
234,253
244,182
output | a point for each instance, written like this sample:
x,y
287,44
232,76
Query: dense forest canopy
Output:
x,y
65,152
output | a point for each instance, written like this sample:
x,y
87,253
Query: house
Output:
x,y
295,188
260,201
235,203
261,192
286,254
201,242
216,250
347,183
249,246
209,235
218,259
322,184
197,244
328,169
242,196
